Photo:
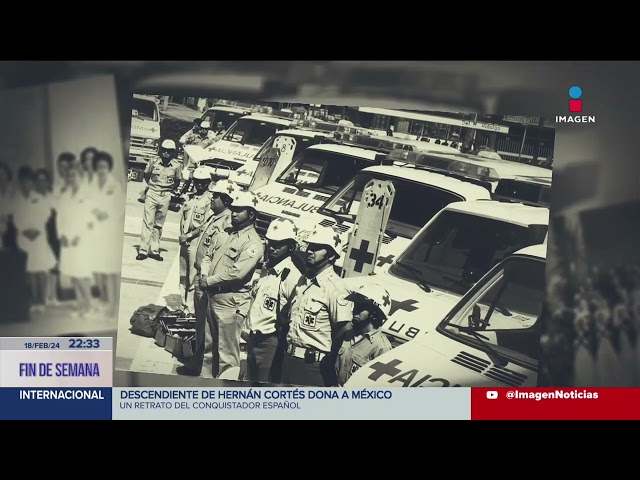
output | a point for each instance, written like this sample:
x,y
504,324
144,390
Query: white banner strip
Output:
x,y
291,404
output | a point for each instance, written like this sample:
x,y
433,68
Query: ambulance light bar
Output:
x,y
422,158
477,171
229,103
369,142
317,125
437,163
347,143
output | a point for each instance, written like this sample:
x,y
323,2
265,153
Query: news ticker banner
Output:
x,y
72,379
376,404
57,378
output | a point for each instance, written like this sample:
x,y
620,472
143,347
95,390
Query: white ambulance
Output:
x,y
448,256
420,194
506,179
220,118
463,163
395,143
321,170
306,183
145,133
490,338
239,144
287,144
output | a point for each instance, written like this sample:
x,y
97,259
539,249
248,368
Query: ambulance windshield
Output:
x,y
251,132
405,219
145,109
322,170
459,248
512,299
219,119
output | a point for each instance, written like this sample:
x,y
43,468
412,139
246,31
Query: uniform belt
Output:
x,y
302,352
259,334
217,290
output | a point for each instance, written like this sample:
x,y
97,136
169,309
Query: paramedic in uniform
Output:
x,y
320,309
163,175
196,212
221,192
362,340
272,295
199,136
227,273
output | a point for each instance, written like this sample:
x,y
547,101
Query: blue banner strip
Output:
x,y
55,403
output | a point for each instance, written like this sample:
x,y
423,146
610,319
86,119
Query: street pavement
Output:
x,y
148,282
143,283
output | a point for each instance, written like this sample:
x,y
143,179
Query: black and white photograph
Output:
x,y
312,244
62,187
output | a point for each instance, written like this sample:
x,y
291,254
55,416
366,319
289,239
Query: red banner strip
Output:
x,y
555,403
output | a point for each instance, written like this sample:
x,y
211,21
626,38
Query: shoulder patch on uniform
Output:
x,y
342,299
252,251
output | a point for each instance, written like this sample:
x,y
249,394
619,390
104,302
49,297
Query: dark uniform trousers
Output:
x,y
278,357
308,372
261,351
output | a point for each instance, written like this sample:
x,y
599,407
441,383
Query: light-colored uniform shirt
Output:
x,y
318,304
270,290
162,177
231,262
195,213
358,351
217,223
195,139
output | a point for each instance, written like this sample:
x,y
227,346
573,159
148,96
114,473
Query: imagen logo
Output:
x,y
492,395
575,102
575,106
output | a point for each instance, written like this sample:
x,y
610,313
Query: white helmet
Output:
x,y
224,186
373,293
169,145
202,173
245,199
282,229
206,124
327,236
